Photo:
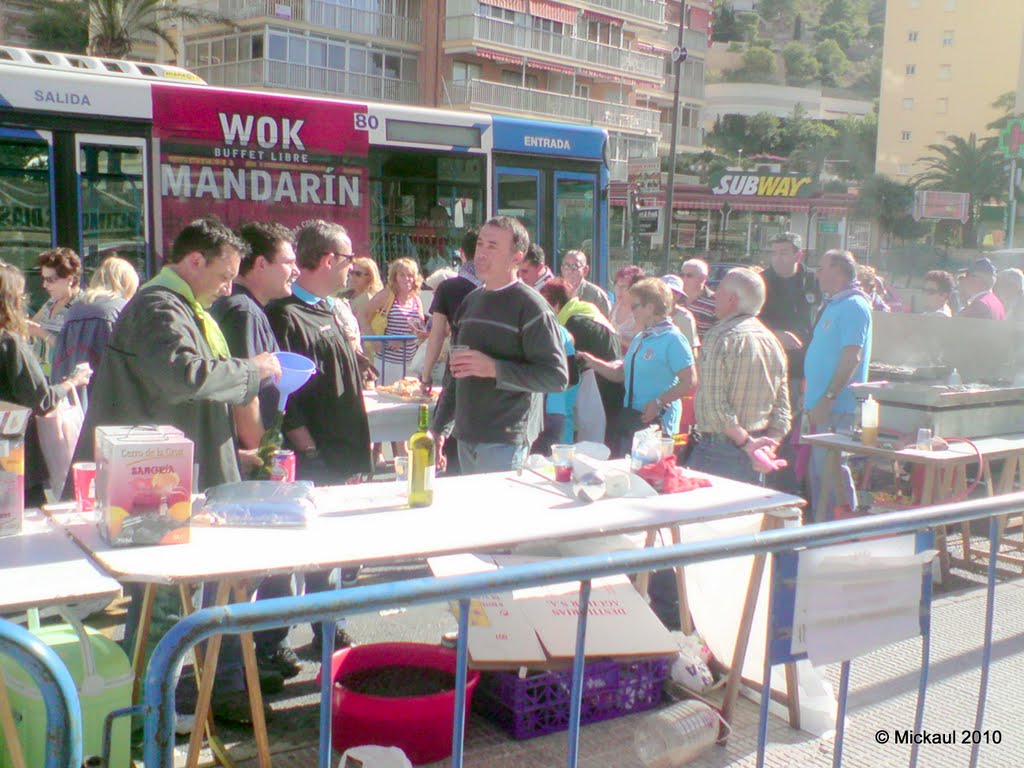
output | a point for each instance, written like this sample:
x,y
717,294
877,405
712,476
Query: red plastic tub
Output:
x,y
420,725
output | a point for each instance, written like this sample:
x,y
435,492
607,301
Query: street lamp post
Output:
x,y
678,57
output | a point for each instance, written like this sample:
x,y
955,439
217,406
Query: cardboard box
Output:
x,y
537,627
13,423
143,484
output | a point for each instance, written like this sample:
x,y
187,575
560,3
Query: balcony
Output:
x,y
651,10
484,96
574,50
686,135
385,26
319,80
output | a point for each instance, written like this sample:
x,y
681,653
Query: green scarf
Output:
x,y
172,281
575,306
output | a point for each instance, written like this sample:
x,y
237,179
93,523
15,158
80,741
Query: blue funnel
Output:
x,y
295,371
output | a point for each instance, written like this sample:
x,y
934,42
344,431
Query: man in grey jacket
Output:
x,y
575,269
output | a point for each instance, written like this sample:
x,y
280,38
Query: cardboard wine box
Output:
x,y
13,423
144,484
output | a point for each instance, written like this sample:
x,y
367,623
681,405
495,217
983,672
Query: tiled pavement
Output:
x,y
882,698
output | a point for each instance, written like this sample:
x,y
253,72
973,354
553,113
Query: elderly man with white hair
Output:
x,y
1009,289
742,404
700,299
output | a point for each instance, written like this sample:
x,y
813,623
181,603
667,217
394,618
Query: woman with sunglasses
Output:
x,y
21,377
362,285
61,271
400,302
658,368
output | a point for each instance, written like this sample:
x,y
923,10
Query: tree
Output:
x,y
115,25
758,65
832,60
841,32
778,9
60,26
965,165
854,153
852,12
801,66
888,204
762,133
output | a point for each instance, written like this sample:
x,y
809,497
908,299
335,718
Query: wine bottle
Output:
x,y
270,443
422,461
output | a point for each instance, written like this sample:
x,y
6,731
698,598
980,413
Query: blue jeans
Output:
x,y
718,455
843,489
475,458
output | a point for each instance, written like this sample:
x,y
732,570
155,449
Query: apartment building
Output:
x,y
944,63
602,62
14,14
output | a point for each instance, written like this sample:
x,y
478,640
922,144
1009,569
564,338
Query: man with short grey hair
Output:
x,y
1009,290
700,299
575,269
742,404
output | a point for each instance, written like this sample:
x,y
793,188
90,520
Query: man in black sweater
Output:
x,y
513,354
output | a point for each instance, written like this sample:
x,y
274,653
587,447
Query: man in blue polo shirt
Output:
x,y
838,356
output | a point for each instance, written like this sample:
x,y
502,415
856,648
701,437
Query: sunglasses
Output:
x,y
358,273
572,267
691,274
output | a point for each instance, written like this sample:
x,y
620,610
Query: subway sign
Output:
x,y
762,184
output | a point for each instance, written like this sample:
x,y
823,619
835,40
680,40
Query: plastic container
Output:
x,y
421,726
295,371
954,379
675,735
538,703
103,677
869,422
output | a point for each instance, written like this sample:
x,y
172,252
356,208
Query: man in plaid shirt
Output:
x,y
742,404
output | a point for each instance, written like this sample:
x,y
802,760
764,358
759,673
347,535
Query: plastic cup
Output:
x,y
924,439
561,457
83,475
402,471
668,447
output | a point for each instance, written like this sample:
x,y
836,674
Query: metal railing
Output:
x,y
475,94
63,711
575,50
685,135
303,77
652,10
325,607
387,26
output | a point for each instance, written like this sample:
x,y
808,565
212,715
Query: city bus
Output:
x,y
107,156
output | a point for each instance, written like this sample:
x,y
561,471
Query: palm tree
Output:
x,y
965,165
115,26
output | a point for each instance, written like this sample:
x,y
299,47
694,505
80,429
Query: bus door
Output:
x,y
112,199
27,194
575,213
518,193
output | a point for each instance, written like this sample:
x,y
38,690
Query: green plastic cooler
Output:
x,y
103,677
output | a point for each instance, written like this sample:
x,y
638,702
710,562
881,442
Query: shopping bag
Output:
x,y
591,422
58,433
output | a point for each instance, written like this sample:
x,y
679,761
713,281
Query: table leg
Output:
x,y
643,579
685,620
141,637
206,685
739,654
10,730
829,482
252,681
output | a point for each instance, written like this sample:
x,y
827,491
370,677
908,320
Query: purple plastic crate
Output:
x,y
539,703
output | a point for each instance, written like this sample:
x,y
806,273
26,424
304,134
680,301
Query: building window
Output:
x,y
903,170
911,69
515,77
547,25
915,3
940,137
604,32
942,106
463,71
906,135
945,72
582,91
912,36
950,5
947,38
908,104
501,14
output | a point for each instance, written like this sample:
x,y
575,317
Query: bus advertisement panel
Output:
x,y
258,157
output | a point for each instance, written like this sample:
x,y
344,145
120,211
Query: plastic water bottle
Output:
x,y
954,379
675,735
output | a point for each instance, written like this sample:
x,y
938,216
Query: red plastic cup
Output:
x,y
84,476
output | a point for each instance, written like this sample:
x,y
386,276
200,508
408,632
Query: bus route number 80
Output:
x,y
366,122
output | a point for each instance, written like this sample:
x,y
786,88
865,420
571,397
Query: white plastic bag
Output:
x,y
58,433
590,417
